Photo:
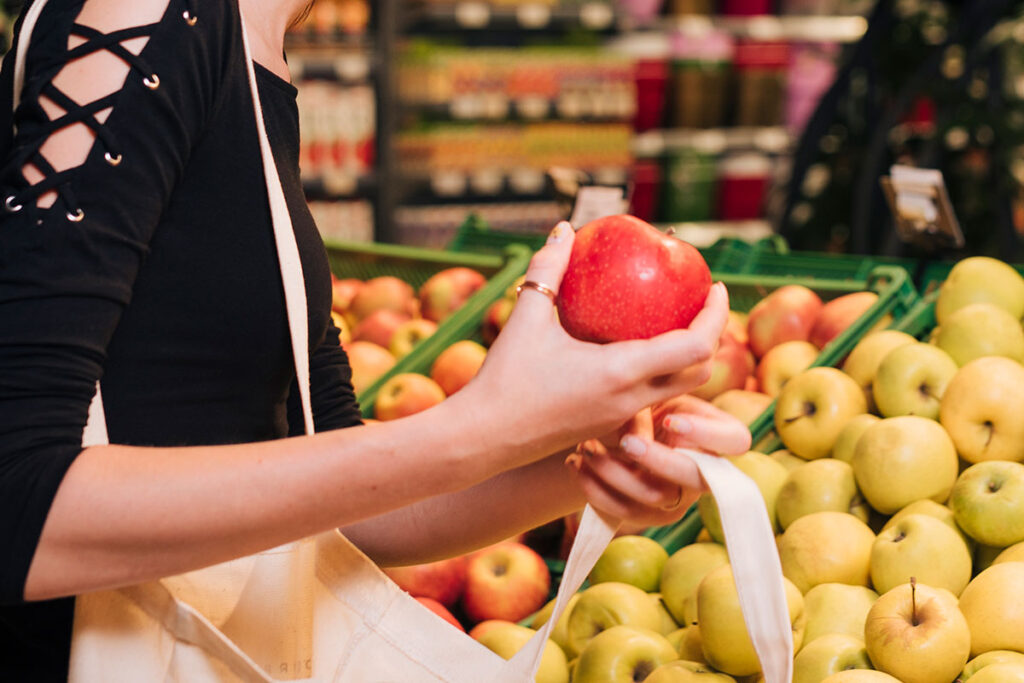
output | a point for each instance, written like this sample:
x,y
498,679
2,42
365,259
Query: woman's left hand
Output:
x,y
640,478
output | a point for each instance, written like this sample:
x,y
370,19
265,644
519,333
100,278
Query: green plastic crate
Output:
x,y
821,265
416,266
896,297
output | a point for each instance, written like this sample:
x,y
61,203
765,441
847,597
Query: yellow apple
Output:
x,y
622,654
981,279
783,362
1000,673
849,435
682,671
560,631
727,646
813,408
636,560
687,642
922,547
900,460
766,473
506,638
826,547
994,609
827,655
606,605
684,571
988,658
980,410
980,330
837,608
911,380
815,486
863,361
932,509
745,406
988,502
860,676
918,634
1015,553
786,459
407,335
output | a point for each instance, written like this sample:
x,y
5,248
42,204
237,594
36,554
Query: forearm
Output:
x,y
461,521
127,514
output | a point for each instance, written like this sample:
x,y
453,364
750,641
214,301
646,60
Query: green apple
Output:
x,y
981,279
837,608
990,657
622,654
922,547
815,486
682,671
786,459
850,434
766,473
506,639
1015,553
994,610
609,604
667,624
560,631
636,560
861,676
988,502
826,547
917,634
911,380
980,410
980,330
684,571
812,409
1000,673
863,361
900,460
827,655
932,509
727,646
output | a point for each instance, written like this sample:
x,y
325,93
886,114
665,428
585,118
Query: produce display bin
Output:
x,y
897,297
415,266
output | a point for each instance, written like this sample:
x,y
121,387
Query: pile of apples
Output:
x,y
780,336
382,320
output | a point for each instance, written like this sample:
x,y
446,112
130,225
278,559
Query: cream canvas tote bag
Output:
x,y
319,610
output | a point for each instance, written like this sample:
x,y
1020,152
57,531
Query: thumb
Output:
x,y
547,268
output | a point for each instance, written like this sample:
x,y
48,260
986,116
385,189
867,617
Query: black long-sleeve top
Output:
x,y
167,289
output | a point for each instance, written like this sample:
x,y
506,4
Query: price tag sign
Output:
x,y
597,201
596,15
921,208
472,14
533,15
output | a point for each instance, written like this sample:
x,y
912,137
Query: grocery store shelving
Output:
x,y
824,28
767,139
472,15
495,107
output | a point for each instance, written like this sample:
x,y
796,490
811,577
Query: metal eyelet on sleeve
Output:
x,y
75,217
11,206
190,18
151,81
112,159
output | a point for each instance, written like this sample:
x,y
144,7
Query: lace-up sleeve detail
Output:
x,y
104,125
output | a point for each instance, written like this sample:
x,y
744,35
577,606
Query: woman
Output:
x,y
136,249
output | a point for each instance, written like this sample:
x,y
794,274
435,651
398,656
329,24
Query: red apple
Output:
x,y
496,317
839,314
343,291
752,384
405,394
441,611
787,314
443,580
385,292
368,362
409,334
743,405
736,328
730,368
782,362
507,581
445,292
457,364
379,327
626,280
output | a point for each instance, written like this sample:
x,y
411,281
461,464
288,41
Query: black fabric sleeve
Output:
x,y
331,393
64,284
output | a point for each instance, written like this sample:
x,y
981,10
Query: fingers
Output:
x,y
664,463
693,423
611,502
628,480
547,268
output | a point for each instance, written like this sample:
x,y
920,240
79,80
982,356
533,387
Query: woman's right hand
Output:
x,y
543,390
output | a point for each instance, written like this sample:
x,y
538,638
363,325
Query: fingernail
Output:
x,y
558,234
573,461
633,445
678,424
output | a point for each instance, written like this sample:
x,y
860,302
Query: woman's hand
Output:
x,y
544,391
641,479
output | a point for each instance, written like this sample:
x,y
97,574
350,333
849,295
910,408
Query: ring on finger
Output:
x,y
538,287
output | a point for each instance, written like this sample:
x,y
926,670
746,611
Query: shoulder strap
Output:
x,y
95,432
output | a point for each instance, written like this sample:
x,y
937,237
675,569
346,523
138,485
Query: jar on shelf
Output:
x,y
760,82
743,181
745,8
689,176
643,202
701,68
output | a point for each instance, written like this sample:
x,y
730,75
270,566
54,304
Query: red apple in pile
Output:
x,y
406,394
445,292
787,314
443,580
379,327
343,291
368,362
385,292
441,611
456,365
731,366
507,581
839,314
627,280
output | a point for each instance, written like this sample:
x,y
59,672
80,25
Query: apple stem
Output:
x,y
913,600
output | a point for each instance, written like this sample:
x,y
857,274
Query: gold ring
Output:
x,y
543,289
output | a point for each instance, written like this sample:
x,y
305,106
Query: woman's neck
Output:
x,y
266,22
